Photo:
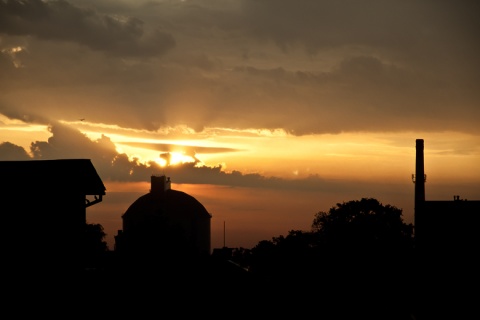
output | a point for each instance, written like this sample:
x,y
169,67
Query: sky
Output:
x,y
266,111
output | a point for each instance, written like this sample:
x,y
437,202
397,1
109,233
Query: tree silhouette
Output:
x,y
367,245
354,239
294,255
357,254
364,225
94,246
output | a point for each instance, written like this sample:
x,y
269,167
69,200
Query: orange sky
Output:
x,y
270,110
249,215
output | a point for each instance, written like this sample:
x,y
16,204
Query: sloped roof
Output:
x,y
51,176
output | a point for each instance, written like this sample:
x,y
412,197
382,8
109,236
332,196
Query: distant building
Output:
x,y
443,228
164,224
44,212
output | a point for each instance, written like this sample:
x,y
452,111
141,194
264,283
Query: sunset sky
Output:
x,y
270,110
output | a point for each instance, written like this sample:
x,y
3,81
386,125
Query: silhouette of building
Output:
x,y
44,212
164,224
447,244
444,228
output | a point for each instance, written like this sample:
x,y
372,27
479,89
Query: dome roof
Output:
x,y
170,201
165,221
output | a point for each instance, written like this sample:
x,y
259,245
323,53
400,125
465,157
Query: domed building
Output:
x,y
164,224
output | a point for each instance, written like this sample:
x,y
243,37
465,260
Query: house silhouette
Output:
x,y
44,212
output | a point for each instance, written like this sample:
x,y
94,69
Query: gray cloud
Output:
x,y
304,66
400,28
62,21
11,152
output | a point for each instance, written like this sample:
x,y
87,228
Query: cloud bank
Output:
x,y
68,143
307,67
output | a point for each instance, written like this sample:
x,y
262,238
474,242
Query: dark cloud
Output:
x,y
62,21
23,113
302,66
9,151
386,24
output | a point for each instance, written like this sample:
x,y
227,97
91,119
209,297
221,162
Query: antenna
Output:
x,y
224,233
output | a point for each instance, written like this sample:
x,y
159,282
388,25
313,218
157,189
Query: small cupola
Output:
x,y
160,184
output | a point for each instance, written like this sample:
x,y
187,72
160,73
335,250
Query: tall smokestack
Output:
x,y
419,175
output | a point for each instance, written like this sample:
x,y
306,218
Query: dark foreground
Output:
x,y
219,288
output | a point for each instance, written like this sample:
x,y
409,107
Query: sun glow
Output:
x,y
173,158
276,153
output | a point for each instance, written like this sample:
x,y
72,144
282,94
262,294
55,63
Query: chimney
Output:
x,y
420,176
159,184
